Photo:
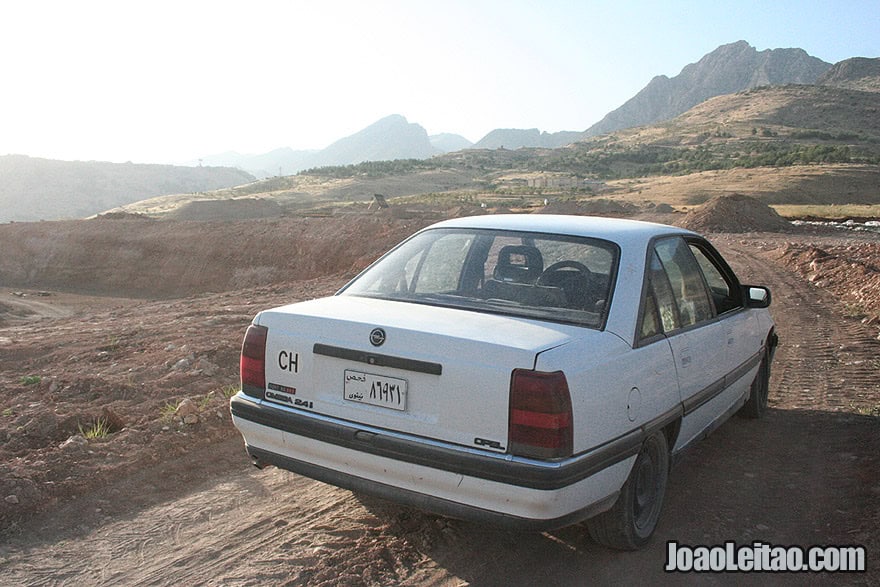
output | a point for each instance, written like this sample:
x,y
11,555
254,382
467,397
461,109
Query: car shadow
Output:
x,y
794,478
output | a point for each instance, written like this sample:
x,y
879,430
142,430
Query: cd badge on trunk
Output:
x,y
377,337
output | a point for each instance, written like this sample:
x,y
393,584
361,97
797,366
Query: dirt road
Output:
x,y
808,474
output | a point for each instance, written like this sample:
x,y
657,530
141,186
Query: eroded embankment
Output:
x,y
149,259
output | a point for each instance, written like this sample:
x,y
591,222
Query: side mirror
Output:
x,y
756,296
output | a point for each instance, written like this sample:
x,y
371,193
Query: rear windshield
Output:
x,y
550,277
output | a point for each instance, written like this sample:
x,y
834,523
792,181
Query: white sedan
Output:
x,y
530,371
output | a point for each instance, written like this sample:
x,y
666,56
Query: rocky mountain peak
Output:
x,y
728,69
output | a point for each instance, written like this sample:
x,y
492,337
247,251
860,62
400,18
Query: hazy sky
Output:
x,y
155,81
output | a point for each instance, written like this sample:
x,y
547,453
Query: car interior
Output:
x,y
520,276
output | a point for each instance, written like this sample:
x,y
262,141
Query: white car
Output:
x,y
530,371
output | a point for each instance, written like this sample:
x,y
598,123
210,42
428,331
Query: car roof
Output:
x,y
612,229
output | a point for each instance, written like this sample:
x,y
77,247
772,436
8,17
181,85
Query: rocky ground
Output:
x,y
119,463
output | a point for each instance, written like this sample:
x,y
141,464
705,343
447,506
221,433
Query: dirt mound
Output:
x,y
850,271
735,213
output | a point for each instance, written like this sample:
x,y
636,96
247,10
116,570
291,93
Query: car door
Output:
x,y
743,339
704,344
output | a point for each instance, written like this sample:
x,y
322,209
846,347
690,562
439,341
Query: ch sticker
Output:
x,y
288,361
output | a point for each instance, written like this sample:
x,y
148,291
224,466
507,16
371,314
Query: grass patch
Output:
x,y
112,344
100,428
853,310
867,410
168,410
206,401
8,412
229,390
30,379
830,212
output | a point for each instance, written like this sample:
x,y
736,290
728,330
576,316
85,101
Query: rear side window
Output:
x,y
686,280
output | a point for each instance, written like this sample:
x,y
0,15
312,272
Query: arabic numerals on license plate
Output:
x,y
385,391
377,390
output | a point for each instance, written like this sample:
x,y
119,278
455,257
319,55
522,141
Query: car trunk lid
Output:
x,y
435,372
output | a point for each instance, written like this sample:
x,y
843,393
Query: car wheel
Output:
x,y
756,405
629,524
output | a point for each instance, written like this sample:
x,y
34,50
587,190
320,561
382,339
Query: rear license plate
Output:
x,y
376,390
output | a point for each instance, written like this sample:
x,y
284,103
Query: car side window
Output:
x,y
723,288
659,314
686,279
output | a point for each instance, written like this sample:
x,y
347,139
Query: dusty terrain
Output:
x,y
168,497
798,184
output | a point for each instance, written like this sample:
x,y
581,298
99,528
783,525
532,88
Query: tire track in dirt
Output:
x,y
242,527
825,361
21,309
807,474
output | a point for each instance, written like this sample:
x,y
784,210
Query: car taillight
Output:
x,y
253,361
540,415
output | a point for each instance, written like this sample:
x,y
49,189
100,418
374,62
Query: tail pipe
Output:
x,y
255,461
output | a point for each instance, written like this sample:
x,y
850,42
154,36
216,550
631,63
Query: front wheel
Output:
x,y
629,524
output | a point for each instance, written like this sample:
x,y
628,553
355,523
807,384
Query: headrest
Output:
x,y
519,263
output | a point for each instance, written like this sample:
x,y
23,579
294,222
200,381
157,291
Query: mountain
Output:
x,y
514,138
448,142
392,137
858,73
47,189
385,140
726,70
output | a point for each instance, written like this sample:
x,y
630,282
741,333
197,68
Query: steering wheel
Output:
x,y
556,268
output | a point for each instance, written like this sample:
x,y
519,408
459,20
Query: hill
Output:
x,y
46,189
775,126
726,70
806,113
858,73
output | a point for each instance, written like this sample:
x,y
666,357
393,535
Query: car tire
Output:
x,y
629,524
756,405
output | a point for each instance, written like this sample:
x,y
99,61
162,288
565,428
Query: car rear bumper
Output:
x,y
457,482
423,501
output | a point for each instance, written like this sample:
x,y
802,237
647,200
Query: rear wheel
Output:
x,y
629,524
756,405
